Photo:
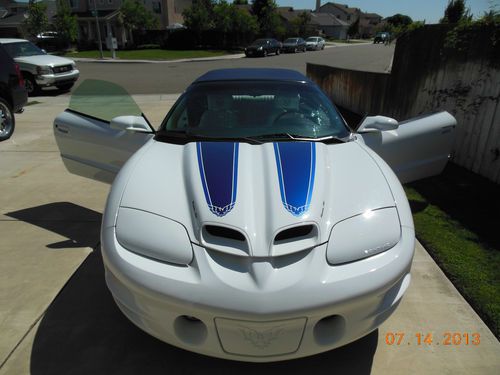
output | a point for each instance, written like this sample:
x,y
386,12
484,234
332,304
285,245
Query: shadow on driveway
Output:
x,y
78,224
83,332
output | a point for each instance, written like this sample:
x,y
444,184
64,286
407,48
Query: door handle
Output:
x,y
62,129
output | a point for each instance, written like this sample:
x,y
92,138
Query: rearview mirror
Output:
x,y
377,123
130,123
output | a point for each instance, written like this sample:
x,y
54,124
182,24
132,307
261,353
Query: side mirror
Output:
x,y
130,123
377,123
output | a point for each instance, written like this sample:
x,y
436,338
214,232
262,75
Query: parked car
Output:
x,y
13,95
294,45
263,47
315,43
383,37
40,69
269,230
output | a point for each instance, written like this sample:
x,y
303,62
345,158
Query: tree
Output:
x,y
65,23
354,28
134,16
399,20
37,19
267,17
301,23
240,2
233,22
199,17
455,11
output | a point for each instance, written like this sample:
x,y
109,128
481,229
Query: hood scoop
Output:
x,y
258,201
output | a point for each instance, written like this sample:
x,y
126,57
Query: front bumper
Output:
x,y
47,80
297,306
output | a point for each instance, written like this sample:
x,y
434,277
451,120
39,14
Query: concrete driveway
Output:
x,y
57,317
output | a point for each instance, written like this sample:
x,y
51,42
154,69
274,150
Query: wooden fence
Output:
x,y
423,81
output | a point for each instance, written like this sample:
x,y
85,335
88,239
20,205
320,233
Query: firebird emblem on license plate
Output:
x,y
261,339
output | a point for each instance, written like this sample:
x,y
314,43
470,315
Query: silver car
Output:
x,y
315,43
40,69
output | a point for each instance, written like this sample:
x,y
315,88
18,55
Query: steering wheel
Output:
x,y
294,112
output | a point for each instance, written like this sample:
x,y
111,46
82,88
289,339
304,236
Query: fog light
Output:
x,y
190,330
329,330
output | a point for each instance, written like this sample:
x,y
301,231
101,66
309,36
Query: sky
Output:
x,y
429,10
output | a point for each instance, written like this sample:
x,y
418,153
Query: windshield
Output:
x,y
311,39
259,42
22,49
245,109
291,40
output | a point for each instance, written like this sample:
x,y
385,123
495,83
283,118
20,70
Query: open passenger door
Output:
x,y
100,130
414,149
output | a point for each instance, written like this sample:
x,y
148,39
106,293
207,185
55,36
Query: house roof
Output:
x,y
343,7
289,13
327,19
370,15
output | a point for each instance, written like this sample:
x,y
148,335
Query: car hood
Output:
x,y
278,198
44,60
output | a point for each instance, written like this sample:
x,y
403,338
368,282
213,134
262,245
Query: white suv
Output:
x,y
40,69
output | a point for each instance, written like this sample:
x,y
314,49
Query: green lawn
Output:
x,y
457,220
150,54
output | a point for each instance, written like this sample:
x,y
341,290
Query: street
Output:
x,y
174,77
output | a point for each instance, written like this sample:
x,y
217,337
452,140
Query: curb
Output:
x,y
108,60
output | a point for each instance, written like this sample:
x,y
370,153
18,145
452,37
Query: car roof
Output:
x,y
11,40
258,74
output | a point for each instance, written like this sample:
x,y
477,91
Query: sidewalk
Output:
x,y
109,60
118,60
56,316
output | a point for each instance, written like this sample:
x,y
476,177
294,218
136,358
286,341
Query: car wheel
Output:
x,y
65,87
295,50
265,53
322,47
278,52
7,120
30,84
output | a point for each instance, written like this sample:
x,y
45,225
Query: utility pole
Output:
x,y
98,30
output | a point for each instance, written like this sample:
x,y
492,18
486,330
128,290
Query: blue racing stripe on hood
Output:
x,y
218,165
296,164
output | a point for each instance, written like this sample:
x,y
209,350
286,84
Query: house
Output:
x,y
12,16
321,23
329,25
368,23
168,12
340,11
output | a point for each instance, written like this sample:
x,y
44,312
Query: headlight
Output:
x,y
364,235
153,236
44,70
260,48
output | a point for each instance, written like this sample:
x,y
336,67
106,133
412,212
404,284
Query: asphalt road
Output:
x,y
174,77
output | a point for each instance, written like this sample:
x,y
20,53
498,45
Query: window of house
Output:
x,y
157,7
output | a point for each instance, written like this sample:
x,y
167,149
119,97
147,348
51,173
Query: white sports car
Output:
x,y
254,224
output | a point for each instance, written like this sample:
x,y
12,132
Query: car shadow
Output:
x,y
78,224
83,332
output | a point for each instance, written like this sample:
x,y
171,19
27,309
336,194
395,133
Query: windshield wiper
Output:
x,y
183,136
295,137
